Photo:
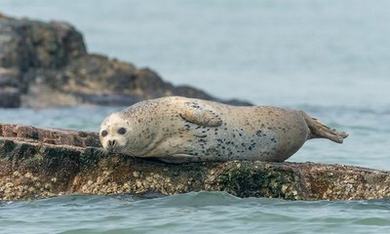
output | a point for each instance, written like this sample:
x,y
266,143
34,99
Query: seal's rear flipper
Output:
x,y
320,130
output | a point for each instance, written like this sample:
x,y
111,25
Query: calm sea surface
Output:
x,y
329,58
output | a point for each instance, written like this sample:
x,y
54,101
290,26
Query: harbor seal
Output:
x,y
178,129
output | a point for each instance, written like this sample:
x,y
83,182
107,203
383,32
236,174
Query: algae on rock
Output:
x,y
38,163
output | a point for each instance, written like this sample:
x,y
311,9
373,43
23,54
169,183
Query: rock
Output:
x,y
51,67
27,44
9,98
38,163
9,88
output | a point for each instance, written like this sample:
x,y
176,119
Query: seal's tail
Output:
x,y
320,130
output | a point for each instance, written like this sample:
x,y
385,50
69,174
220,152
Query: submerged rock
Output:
x,y
37,163
47,64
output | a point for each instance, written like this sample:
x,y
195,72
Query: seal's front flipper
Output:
x,y
180,158
200,114
320,130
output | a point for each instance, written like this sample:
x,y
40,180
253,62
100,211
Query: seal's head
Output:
x,y
126,132
115,133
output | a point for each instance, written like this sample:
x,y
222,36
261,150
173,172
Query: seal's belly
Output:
x,y
274,138
237,144
246,133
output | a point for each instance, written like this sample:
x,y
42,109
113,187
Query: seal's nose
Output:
x,y
111,143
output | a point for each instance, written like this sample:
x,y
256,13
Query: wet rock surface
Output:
x,y
47,64
38,163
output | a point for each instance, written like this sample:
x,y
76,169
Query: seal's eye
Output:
x,y
104,133
122,131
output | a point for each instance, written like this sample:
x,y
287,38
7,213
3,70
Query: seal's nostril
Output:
x,y
112,143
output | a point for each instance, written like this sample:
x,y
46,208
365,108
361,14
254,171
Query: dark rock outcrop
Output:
x,y
37,163
47,64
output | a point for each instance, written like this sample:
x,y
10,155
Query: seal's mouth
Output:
x,y
112,148
119,150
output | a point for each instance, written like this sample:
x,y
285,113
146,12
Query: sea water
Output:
x,y
328,58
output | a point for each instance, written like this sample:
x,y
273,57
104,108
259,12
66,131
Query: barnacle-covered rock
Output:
x,y
38,163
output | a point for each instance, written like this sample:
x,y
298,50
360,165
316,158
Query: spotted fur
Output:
x,y
178,129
